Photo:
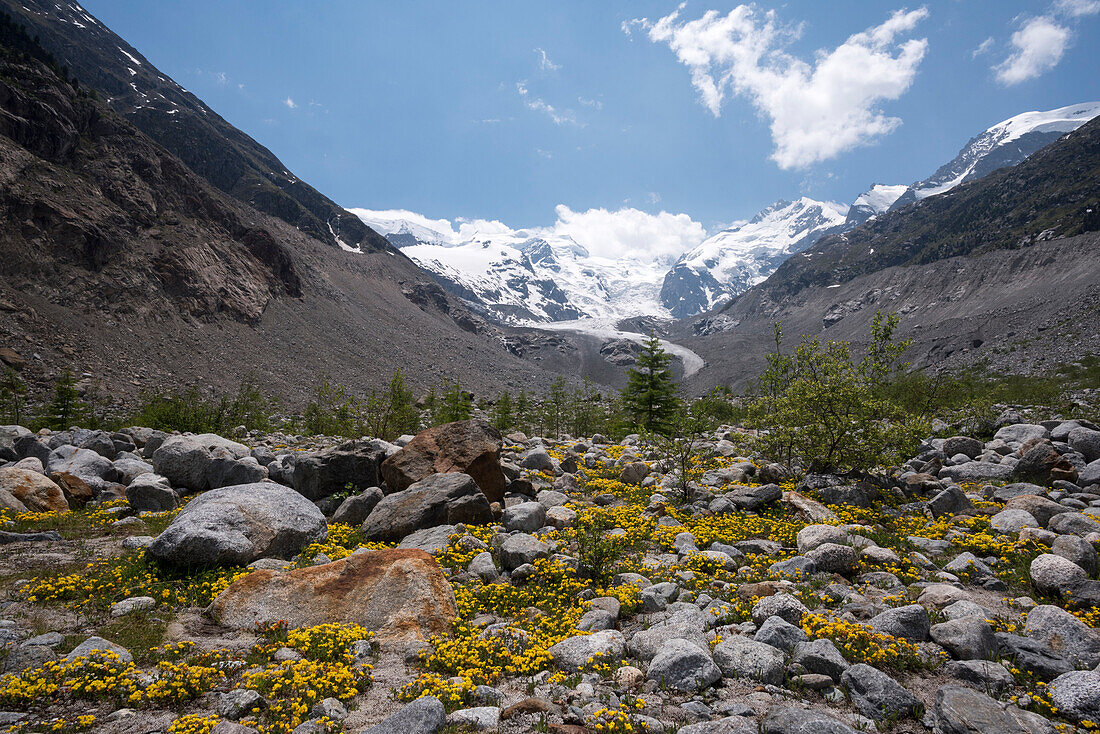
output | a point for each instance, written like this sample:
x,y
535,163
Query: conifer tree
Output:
x,y
650,395
503,414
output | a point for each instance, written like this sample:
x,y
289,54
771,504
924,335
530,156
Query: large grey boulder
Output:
x,y
1086,442
877,695
740,657
835,558
440,499
963,710
812,536
1041,508
356,509
785,606
1077,694
909,622
352,465
84,464
521,549
573,653
1032,655
966,638
970,447
1012,521
151,492
98,644
687,625
423,716
784,719
1065,634
225,470
985,675
526,517
950,501
1076,549
976,471
683,666
754,498
1073,523
780,634
234,526
1055,575
184,462
1019,433
126,468
820,656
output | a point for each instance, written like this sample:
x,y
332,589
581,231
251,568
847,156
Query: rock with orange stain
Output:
x,y
471,447
35,491
401,594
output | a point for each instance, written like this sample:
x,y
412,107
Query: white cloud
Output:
x,y
629,232
653,197
544,61
221,78
817,110
590,102
1038,47
290,103
1077,8
604,233
983,48
560,117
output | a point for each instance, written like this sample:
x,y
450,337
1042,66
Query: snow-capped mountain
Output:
x,y
517,276
1005,144
876,200
741,256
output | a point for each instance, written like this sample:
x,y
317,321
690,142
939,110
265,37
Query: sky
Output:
x,y
645,122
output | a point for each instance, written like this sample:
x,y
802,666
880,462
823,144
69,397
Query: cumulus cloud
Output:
x,y
544,61
629,232
624,232
817,109
290,103
1037,48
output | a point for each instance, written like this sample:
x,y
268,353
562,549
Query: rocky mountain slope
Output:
x,y
741,256
218,152
1004,144
119,261
1002,268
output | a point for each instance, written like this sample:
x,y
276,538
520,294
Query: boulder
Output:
x,y
908,622
740,657
784,606
1077,694
1041,508
834,558
236,525
1031,655
520,549
780,634
1064,634
423,716
971,447
877,695
151,492
224,470
401,594
976,471
127,468
754,498
33,490
787,719
98,644
1018,433
526,517
1055,575
184,462
1042,464
634,472
471,447
1086,442
966,638
1078,550
812,536
356,509
985,675
83,463
683,666
950,501
820,656
573,653
440,499
963,710
1012,521
354,465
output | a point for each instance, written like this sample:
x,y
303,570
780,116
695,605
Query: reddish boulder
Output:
x,y
471,447
400,594
34,490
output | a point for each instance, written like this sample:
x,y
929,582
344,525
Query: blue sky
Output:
x,y
505,110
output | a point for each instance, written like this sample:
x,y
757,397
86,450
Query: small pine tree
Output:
x,y
650,395
553,408
402,413
13,395
523,412
503,413
586,410
66,409
455,405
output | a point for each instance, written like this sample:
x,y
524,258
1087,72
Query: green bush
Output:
x,y
829,413
189,410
